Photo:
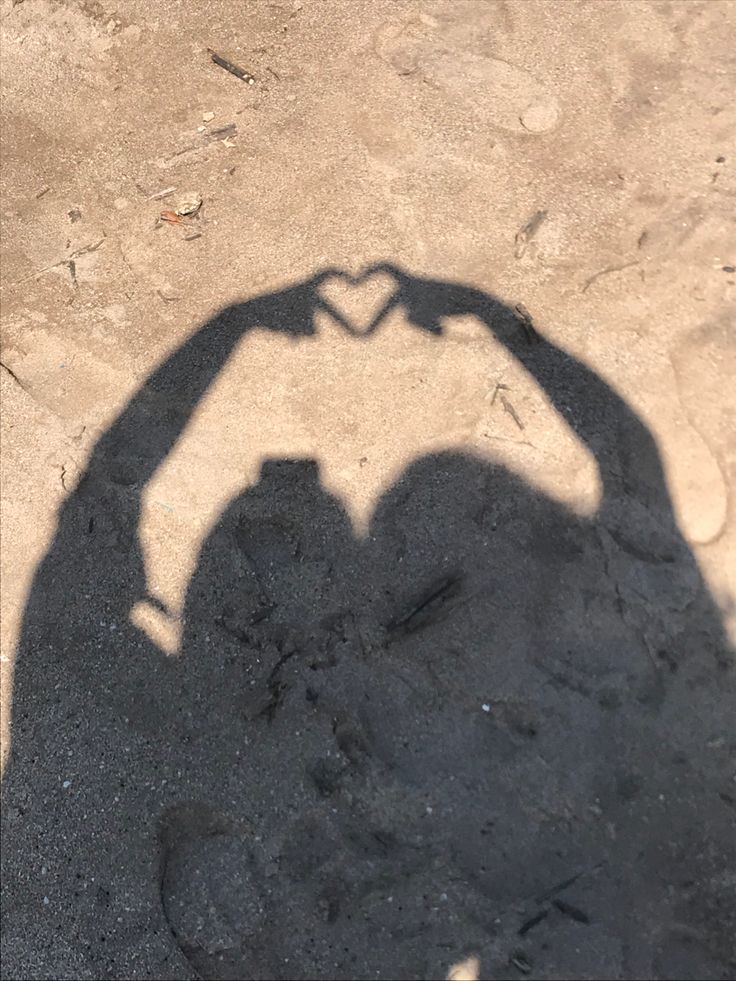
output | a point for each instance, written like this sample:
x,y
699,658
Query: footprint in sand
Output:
x,y
498,93
209,890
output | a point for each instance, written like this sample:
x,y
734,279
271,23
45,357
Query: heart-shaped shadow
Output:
x,y
358,303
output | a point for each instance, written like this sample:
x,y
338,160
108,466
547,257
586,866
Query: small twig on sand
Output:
x,y
508,407
68,262
604,272
499,387
235,70
525,319
160,195
566,883
435,597
527,233
13,375
567,909
529,924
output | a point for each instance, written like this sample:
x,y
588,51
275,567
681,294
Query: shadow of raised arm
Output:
x,y
142,437
145,432
625,450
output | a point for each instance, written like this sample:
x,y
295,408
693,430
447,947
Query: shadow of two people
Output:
x,y
487,717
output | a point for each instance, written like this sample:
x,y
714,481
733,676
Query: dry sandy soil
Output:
x,y
352,625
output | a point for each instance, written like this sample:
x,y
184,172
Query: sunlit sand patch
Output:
x,y
467,970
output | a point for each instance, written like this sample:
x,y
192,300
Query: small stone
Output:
x,y
188,204
729,269
539,117
486,707
67,784
201,129
207,117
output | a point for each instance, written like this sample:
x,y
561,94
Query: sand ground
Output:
x,y
350,627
